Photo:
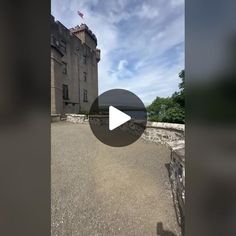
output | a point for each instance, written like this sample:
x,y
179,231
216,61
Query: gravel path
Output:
x,y
100,190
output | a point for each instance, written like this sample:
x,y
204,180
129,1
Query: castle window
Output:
x,y
84,59
85,76
54,40
85,95
64,68
63,45
65,92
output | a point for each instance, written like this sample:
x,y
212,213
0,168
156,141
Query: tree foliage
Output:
x,y
170,109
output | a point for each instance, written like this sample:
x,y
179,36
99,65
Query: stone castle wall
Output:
x,y
74,64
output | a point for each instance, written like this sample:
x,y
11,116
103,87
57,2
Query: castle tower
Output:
x,y
85,35
74,68
90,57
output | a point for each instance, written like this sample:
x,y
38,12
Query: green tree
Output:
x,y
175,115
170,109
179,97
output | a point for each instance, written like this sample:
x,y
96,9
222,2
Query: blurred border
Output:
x,y
211,117
25,118
210,121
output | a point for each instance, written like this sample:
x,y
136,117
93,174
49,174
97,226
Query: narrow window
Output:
x,y
64,68
65,92
85,76
85,95
63,45
84,59
54,40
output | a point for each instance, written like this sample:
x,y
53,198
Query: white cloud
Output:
x,y
135,41
122,64
147,11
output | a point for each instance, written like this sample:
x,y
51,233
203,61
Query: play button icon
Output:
x,y
118,117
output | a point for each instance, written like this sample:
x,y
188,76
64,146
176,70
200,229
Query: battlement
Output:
x,y
77,30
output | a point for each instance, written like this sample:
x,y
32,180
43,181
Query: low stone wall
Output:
x,y
165,133
177,180
157,132
168,134
55,117
80,118
76,118
99,119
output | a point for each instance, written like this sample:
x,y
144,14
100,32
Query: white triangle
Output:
x,y
117,118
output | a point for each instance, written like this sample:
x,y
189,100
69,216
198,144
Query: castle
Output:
x,y
74,68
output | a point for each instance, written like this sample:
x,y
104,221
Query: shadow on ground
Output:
x,y
162,232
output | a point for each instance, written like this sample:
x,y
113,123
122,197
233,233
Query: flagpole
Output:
x,y
81,16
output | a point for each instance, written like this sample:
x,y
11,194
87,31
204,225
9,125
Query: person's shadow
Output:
x,y
162,232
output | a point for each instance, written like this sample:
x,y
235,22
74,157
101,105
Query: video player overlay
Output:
x,y
118,117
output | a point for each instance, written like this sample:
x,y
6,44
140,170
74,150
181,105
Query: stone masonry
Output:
x,y
74,68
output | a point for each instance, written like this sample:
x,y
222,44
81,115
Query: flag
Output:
x,y
80,14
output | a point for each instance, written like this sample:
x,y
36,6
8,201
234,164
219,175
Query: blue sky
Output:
x,y
141,42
